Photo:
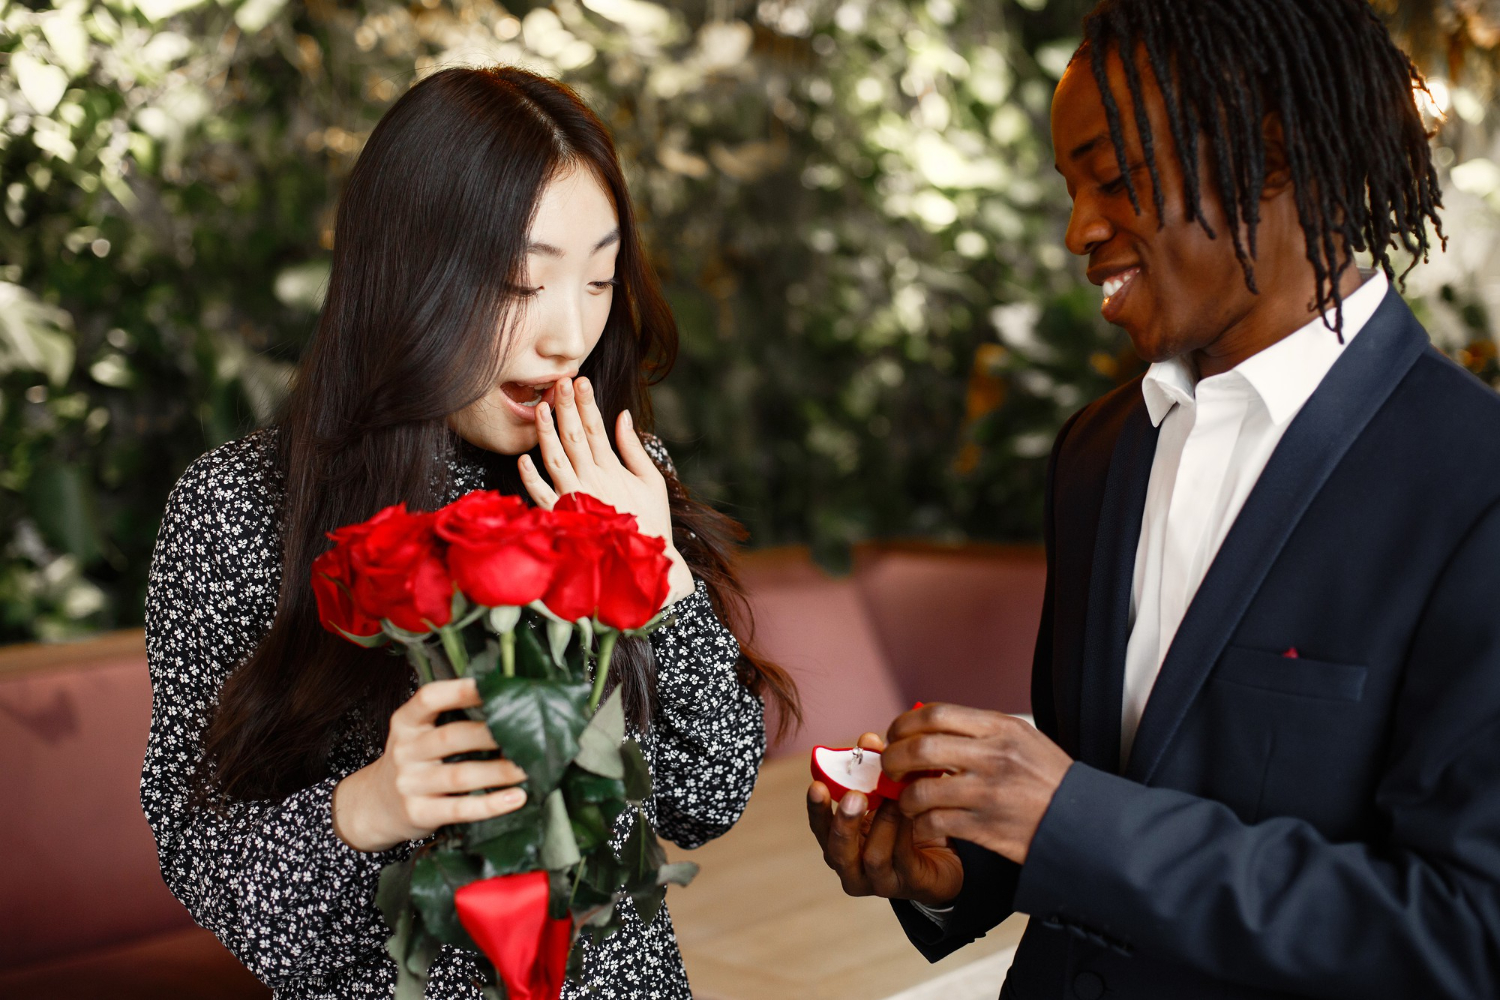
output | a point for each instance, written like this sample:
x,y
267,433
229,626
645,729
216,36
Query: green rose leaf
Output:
x,y
485,661
599,743
413,959
528,816
531,660
537,724
576,657
601,917
575,962
393,894
603,874
559,846
559,885
424,951
586,895
510,853
434,879
590,829
393,898
598,932
648,902
680,873
580,786
559,634
642,856
637,772
367,641
643,859
510,843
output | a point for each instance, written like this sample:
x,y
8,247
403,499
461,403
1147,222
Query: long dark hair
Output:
x,y
429,241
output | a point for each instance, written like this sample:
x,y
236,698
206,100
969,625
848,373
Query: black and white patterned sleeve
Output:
x,y
710,730
270,879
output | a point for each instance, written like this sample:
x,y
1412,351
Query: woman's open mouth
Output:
x,y
522,397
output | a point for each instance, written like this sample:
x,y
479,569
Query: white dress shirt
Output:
x,y
1216,437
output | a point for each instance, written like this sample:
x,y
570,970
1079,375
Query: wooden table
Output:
x,y
765,918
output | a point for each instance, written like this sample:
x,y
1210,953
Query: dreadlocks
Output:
x,y
1355,142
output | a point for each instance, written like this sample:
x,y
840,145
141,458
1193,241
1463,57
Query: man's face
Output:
x,y
1172,288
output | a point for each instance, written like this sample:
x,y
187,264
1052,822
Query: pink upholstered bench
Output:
x,y
957,622
83,910
914,622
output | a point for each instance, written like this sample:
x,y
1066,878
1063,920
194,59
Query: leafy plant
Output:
x,y
851,203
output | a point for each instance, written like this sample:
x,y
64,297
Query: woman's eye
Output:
x,y
608,283
524,291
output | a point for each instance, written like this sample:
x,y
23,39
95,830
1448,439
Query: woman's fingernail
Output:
x,y
583,386
566,388
525,461
629,420
515,797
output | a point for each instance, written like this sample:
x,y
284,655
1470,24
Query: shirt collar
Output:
x,y
1284,375
1168,383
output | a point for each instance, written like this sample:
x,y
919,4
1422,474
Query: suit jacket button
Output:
x,y
1088,986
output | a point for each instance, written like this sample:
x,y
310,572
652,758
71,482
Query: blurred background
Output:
x,y
851,202
854,211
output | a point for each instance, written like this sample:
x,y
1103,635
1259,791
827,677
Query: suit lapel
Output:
x,y
1107,625
1335,416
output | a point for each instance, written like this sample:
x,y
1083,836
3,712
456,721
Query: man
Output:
x,y
1267,682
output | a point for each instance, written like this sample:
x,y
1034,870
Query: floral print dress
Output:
x,y
270,878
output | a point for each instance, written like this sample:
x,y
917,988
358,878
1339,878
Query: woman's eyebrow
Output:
x,y
610,238
548,250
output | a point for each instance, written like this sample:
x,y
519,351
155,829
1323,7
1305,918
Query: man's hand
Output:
x,y
876,854
998,776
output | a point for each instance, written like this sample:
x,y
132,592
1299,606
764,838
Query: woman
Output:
x,y
489,299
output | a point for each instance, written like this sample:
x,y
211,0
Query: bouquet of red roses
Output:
x,y
530,603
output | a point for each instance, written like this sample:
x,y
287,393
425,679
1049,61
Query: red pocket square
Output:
x,y
1292,654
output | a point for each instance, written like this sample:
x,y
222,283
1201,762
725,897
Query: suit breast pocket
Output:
x,y
1299,730
1273,672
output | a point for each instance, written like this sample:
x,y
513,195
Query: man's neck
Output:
x,y
1276,315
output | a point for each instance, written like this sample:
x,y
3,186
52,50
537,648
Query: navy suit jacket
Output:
x,y
1320,826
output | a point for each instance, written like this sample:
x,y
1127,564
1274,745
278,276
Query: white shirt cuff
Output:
x,y
938,915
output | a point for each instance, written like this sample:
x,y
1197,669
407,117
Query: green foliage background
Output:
x,y
851,203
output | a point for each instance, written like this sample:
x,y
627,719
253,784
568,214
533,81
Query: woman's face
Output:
x,y
566,293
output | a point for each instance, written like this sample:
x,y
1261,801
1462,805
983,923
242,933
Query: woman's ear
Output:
x,y
1278,169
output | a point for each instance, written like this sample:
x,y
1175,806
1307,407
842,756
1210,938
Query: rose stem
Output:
x,y
601,668
419,662
508,653
453,645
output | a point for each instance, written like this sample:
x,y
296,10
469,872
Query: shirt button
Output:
x,y
1088,986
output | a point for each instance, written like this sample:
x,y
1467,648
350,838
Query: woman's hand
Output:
x,y
409,792
576,450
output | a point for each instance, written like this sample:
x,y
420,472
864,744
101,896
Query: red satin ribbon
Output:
x,y
507,918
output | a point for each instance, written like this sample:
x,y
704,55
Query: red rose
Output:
x,y
601,513
337,611
499,551
607,568
634,578
398,570
577,548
